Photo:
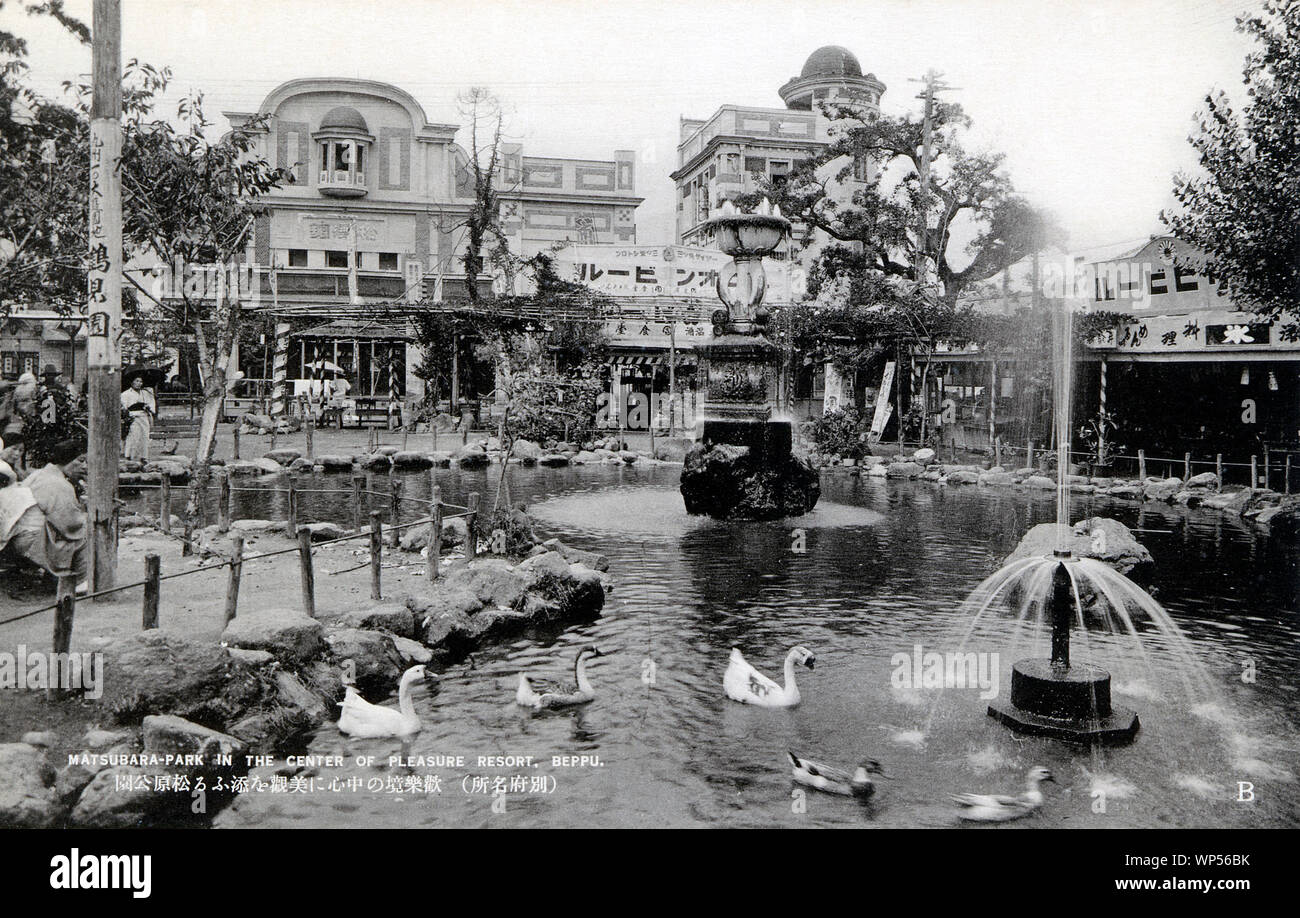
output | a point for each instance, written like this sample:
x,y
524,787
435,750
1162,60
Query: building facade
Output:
x,y
376,217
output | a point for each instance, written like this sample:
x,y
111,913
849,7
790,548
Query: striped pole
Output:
x,y
1101,415
280,369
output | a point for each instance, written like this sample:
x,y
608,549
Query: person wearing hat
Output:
x,y
42,521
51,420
141,408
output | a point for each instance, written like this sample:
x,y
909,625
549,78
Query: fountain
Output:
x,y
742,466
1054,696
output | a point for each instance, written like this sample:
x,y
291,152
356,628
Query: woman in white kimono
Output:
x,y
140,405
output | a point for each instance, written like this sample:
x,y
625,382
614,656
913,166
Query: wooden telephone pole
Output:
x,y
933,85
104,291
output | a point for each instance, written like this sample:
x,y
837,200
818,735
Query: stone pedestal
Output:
x,y
744,470
1070,703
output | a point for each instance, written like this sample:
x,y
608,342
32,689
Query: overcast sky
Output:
x,y
1091,100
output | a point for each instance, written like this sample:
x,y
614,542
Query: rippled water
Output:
x,y
886,566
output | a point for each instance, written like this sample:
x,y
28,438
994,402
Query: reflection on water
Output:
x,y
885,566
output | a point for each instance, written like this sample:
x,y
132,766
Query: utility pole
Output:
x,y
933,85
104,291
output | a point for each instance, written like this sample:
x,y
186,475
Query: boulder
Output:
x,y
391,617
268,466
166,734
443,422
255,527
629,456
442,599
1204,480
997,478
158,671
1162,489
494,581
416,538
907,470
121,797
260,421
923,456
96,738
324,532
335,463
410,459
439,459
302,465
525,449
42,738
283,456
27,798
370,656
1104,539
963,477
1129,490
251,659
724,481
553,460
1234,501
471,457
376,462
585,457
287,633
591,559
1040,483
412,651
672,449
237,467
878,470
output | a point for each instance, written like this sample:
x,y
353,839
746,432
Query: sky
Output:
x,y
1091,101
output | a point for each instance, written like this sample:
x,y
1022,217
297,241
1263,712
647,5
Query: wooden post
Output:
x,y
1254,472
291,526
236,569
149,618
165,503
464,436
1266,468
309,425
434,546
273,437
67,608
1029,454
358,482
235,437
1142,465
376,552
395,508
223,501
471,526
104,292
1286,488
1187,467
1218,470
406,436
997,451
187,547
308,575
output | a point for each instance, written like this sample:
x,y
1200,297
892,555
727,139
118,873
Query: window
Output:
x,y
336,259
387,261
297,258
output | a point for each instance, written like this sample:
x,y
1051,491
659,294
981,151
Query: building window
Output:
x,y
387,261
342,165
297,258
336,259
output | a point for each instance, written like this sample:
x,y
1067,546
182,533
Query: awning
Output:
x,y
652,359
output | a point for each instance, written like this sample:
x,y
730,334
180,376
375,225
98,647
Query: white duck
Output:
x,y
998,808
541,693
745,684
361,718
834,780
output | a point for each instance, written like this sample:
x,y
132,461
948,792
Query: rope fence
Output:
x,y
67,597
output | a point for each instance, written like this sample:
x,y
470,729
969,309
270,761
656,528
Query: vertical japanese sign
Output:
x,y
883,407
104,267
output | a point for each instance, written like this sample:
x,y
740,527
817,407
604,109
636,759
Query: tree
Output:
x,y
483,222
1243,210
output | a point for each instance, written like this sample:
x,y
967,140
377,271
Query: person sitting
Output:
x,y
41,520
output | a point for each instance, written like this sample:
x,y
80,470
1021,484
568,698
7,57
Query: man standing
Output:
x,y
51,420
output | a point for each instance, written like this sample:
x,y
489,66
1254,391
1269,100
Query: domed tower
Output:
x,y
833,75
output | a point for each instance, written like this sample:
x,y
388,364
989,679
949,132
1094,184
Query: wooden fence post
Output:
x,y
223,501
434,546
308,575
187,547
1142,465
1266,468
309,424
235,437
236,569
997,451
63,616
1029,454
1187,466
376,552
1286,487
471,527
358,482
152,585
165,503
1218,470
1254,472
395,508
291,526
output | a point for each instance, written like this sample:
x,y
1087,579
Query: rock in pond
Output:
x,y
288,634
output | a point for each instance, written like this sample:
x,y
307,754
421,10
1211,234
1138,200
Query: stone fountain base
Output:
x,y
744,470
1065,702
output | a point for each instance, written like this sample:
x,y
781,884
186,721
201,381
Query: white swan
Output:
x,y
834,780
541,693
745,684
999,808
361,718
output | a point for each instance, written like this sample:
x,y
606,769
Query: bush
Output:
x,y
839,434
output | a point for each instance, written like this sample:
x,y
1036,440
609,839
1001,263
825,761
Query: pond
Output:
x,y
878,568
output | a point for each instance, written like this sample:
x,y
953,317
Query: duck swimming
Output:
x,y
361,718
997,808
541,693
747,685
834,780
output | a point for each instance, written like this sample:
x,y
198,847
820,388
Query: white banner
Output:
x,y
883,408
673,270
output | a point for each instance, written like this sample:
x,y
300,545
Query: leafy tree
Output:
x,y
483,222
1243,210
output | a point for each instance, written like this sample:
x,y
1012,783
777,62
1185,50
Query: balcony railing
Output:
x,y
342,182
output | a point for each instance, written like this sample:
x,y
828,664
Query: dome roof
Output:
x,y
831,60
344,117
